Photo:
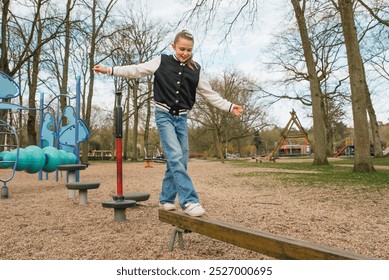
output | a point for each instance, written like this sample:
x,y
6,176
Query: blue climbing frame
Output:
x,y
52,132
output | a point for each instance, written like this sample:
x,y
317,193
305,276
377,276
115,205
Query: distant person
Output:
x,y
177,79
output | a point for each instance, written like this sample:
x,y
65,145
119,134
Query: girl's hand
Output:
x,y
101,69
237,110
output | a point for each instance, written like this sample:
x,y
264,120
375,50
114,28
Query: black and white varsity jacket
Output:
x,y
175,84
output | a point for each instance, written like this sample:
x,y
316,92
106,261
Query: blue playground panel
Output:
x,y
8,87
11,106
67,133
48,130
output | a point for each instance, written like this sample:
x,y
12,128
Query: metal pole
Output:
x,y
77,131
119,144
41,104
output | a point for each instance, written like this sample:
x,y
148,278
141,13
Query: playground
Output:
x,y
251,209
40,221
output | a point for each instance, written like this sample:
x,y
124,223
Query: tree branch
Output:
x,y
370,10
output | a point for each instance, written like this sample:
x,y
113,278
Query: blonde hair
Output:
x,y
184,34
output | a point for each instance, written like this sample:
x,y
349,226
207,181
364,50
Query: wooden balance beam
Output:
x,y
265,243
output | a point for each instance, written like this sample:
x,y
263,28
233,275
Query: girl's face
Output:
x,y
183,48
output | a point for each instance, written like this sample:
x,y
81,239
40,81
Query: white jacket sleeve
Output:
x,y
137,70
204,89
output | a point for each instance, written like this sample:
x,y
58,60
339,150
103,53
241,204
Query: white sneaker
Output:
x,y
194,209
168,206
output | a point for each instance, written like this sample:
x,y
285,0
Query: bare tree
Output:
x,y
16,28
362,162
99,14
374,50
33,83
226,128
287,57
60,54
23,37
319,126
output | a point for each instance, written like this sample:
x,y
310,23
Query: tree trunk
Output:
x,y
362,159
319,128
65,70
330,140
31,117
33,85
378,152
3,56
218,145
94,35
329,129
89,97
148,113
4,66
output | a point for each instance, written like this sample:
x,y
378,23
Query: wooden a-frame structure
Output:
x,y
285,134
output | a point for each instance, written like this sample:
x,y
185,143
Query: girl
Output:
x,y
177,79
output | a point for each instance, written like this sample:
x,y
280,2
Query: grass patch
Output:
x,y
343,177
335,174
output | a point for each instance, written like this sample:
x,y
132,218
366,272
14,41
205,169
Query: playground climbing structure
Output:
x,y
58,139
286,133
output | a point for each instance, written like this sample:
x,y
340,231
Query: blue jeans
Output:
x,y
173,132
